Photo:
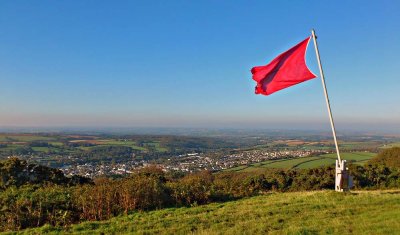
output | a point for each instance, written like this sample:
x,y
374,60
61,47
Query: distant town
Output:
x,y
190,162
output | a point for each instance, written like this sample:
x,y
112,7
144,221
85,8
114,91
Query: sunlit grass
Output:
x,y
396,144
318,212
306,162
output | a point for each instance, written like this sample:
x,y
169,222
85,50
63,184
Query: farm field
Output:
x,y
54,149
317,212
23,138
325,145
14,141
391,145
307,162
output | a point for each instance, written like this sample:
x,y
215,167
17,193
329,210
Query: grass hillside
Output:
x,y
388,157
317,212
306,162
391,145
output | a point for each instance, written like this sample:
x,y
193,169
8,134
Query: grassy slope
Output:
x,y
386,146
318,212
327,159
307,162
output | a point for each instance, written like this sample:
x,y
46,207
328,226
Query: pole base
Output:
x,y
343,180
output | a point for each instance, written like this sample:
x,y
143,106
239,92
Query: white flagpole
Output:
x,y
326,95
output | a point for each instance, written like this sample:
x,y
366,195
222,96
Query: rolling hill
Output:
x,y
306,162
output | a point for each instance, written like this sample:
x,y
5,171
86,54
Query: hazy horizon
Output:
x,y
198,130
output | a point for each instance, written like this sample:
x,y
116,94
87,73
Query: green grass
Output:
x,y
46,149
56,143
157,146
306,162
127,143
117,142
348,145
40,149
133,145
284,163
329,159
317,212
357,145
391,145
12,146
24,138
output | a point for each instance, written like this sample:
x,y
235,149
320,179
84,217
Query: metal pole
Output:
x,y
326,95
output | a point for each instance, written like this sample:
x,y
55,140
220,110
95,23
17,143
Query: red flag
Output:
x,y
286,70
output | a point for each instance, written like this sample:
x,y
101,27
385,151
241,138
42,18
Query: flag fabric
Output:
x,y
286,70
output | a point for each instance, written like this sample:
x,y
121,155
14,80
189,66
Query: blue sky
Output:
x,y
186,63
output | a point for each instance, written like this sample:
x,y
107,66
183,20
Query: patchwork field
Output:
x,y
14,141
307,162
57,150
23,138
317,212
391,145
323,145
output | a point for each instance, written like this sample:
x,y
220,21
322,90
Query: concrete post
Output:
x,y
343,180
